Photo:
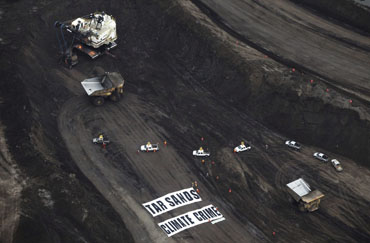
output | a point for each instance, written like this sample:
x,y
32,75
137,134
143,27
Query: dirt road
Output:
x,y
128,178
301,38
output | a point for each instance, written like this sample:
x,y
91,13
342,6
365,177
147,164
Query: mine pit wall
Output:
x,y
244,84
348,11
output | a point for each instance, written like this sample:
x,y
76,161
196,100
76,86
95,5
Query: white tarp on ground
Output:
x,y
171,201
190,219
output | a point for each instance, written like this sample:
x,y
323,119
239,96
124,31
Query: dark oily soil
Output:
x,y
58,204
333,109
181,85
348,11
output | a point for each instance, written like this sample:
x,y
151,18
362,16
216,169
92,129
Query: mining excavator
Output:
x,y
94,34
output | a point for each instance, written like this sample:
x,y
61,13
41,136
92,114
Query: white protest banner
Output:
x,y
190,219
171,201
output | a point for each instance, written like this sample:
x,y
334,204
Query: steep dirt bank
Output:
x,y
315,113
348,11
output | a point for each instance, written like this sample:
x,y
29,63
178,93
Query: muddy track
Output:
x,y
128,178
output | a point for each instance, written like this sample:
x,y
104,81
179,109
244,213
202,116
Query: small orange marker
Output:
x,y
229,189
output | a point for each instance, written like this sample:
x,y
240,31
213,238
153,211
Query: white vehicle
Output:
x,y
201,153
242,147
100,140
98,28
336,164
108,85
93,34
308,200
293,144
321,156
149,147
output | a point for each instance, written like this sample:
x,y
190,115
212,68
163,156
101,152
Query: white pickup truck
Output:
x,y
293,144
149,147
242,147
201,153
100,140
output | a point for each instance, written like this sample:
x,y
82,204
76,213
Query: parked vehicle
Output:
x,y
201,153
149,147
321,156
242,147
336,164
293,144
101,139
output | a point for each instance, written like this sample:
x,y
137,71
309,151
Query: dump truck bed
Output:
x,y
109,81
92,85
298,189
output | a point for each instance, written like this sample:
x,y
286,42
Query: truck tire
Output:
x,y
98,101
115,97
301,207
